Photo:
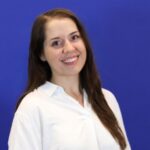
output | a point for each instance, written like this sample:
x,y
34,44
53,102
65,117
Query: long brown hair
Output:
x,y
39,72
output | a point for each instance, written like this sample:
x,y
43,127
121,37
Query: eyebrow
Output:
x,y
74,32
69,34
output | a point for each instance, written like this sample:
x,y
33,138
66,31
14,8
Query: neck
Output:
x,y
71,86
70,83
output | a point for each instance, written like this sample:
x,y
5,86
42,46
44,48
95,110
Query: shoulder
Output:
x,y
29,104
111,101
110,97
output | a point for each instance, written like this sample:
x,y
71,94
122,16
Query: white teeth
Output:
x,y
70,60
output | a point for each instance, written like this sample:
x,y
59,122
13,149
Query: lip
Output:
x,y
70,60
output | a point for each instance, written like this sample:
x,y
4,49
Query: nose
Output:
x,y
68,46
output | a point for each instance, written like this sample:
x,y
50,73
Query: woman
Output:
x,y
64,106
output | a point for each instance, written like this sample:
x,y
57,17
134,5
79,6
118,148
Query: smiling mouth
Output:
x,y
70,60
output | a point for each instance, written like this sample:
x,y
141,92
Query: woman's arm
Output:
x,y
25,132
113,104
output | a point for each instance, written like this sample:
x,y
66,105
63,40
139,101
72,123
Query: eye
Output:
x,y
57,43
75,37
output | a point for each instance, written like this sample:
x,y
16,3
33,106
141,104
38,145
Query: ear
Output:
x,y
42,57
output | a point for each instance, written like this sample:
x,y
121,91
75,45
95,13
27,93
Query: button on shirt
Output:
x,y
49,119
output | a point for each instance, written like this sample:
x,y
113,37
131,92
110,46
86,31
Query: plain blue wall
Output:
x,y
120,35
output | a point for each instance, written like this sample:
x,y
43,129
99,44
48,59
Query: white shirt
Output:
x,y
49,119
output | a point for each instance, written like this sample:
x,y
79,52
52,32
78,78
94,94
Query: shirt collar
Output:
x,y
50,88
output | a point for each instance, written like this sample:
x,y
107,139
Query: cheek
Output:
x,y
84,52
83,48
51,54
53,58
85,56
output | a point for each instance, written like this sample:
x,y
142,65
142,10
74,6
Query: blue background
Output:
x,y
119,31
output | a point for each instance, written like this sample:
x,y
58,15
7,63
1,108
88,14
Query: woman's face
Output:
x,y
64,49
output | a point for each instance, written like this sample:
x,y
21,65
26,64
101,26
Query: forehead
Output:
x,y
60,26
